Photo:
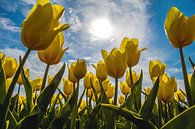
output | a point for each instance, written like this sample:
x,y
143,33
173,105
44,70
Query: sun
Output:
x,y
101,28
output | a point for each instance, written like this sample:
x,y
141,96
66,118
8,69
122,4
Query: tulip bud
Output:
x,y
166,88
116,62
101,70
54,53
42,25
125,89
179,28
82,105
134,76
110,92
179,95
26,72
88,80
68,87
130,46
80,69
10,66
71,76
121,99
156,68
36,84
106,84
147,90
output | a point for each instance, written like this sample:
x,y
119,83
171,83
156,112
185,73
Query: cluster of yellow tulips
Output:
x,y
46,106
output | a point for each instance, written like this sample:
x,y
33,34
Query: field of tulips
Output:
x,y
99,105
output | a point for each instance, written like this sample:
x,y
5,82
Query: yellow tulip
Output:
x,y
131,48
179,28
147,90
42,25
54,53
156,68
50,78
121,99
166,88
10,66
89,93
135,78
110,92
26,72
82,105
71,76
68,87
80,69
116,62
125,89
36,84
101,70
96,85
106,83
88,80
179,95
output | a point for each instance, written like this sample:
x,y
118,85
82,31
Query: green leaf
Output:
x,y
28,90
131,116
46,95
134,99
185,120
192,86
31,121
146,110
2,84
12,120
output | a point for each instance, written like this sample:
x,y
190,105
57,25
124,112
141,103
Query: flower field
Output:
x,y
103,104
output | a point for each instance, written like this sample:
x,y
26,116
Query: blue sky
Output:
x,y
143,19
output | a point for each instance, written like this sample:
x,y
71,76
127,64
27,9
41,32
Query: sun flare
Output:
x,y
101,28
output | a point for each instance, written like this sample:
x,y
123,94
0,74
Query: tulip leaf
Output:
x,y
31,121
12,120
134,99
131,116
46,95
2,84
150,101
192,86
28,90
184,120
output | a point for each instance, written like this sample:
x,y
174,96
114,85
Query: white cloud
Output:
x,y
8,24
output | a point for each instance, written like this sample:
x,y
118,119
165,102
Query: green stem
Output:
x,y
45,77
131,76
18,97
185,76
4,111
166,114
159,114
116,91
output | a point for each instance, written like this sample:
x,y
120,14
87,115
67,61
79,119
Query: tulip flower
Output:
x,y
101,70
121,99
1,55
179,95
36,84
10,66
88,80
135,78
89,93
147,90
96,85
106,83
42,25
53,54
82,105
125,89
68,87
71,76
80,69
131,48
179,28
116,62
156,68
110,92
26,72
166,88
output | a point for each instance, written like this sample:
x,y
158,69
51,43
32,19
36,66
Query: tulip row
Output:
x,y
45,106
